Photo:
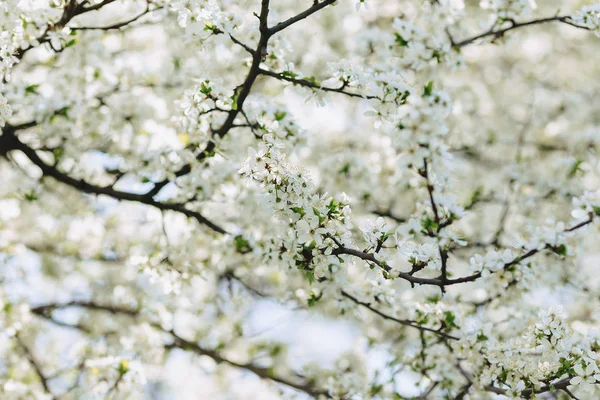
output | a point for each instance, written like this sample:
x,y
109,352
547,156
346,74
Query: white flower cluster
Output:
x,y
587,373
426,253
349,374
417,49
11,28
202,105
22,24
589,16
126,373
345,73
492,261
165,276
390,91
586,205
59,38
314,223
549,351
448,205
114,224
275,120
446,11
200,16
551,234
550,330
375,232
509,9
421,125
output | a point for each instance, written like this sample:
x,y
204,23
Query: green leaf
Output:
x,y
31,89
400,40
277,349
289,74
310,276
560,250
429,225
204,89
576,167
71,43
481,337
177,63
299,210
375,389
61,112
312,300
241,244
212,28
434,299
566,367
449,319
322,218
313,80
279,115
345,169
123,367
31,196
428,89
208,154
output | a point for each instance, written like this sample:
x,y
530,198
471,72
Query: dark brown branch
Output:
x,y
35,365
245,88
404,322
500,32
569,393
463,392
72,9
244,46
299,17
183,344
526,394
264,373
244,92
46,309
312,85
438,281
389,215
430,189
83,186
425,395
118,25
82,10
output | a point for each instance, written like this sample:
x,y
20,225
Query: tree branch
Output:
x,y
181,343
263,373
515,25
86,187
404,322
369,257
299,17
35,365
312,85
119,24
526,394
